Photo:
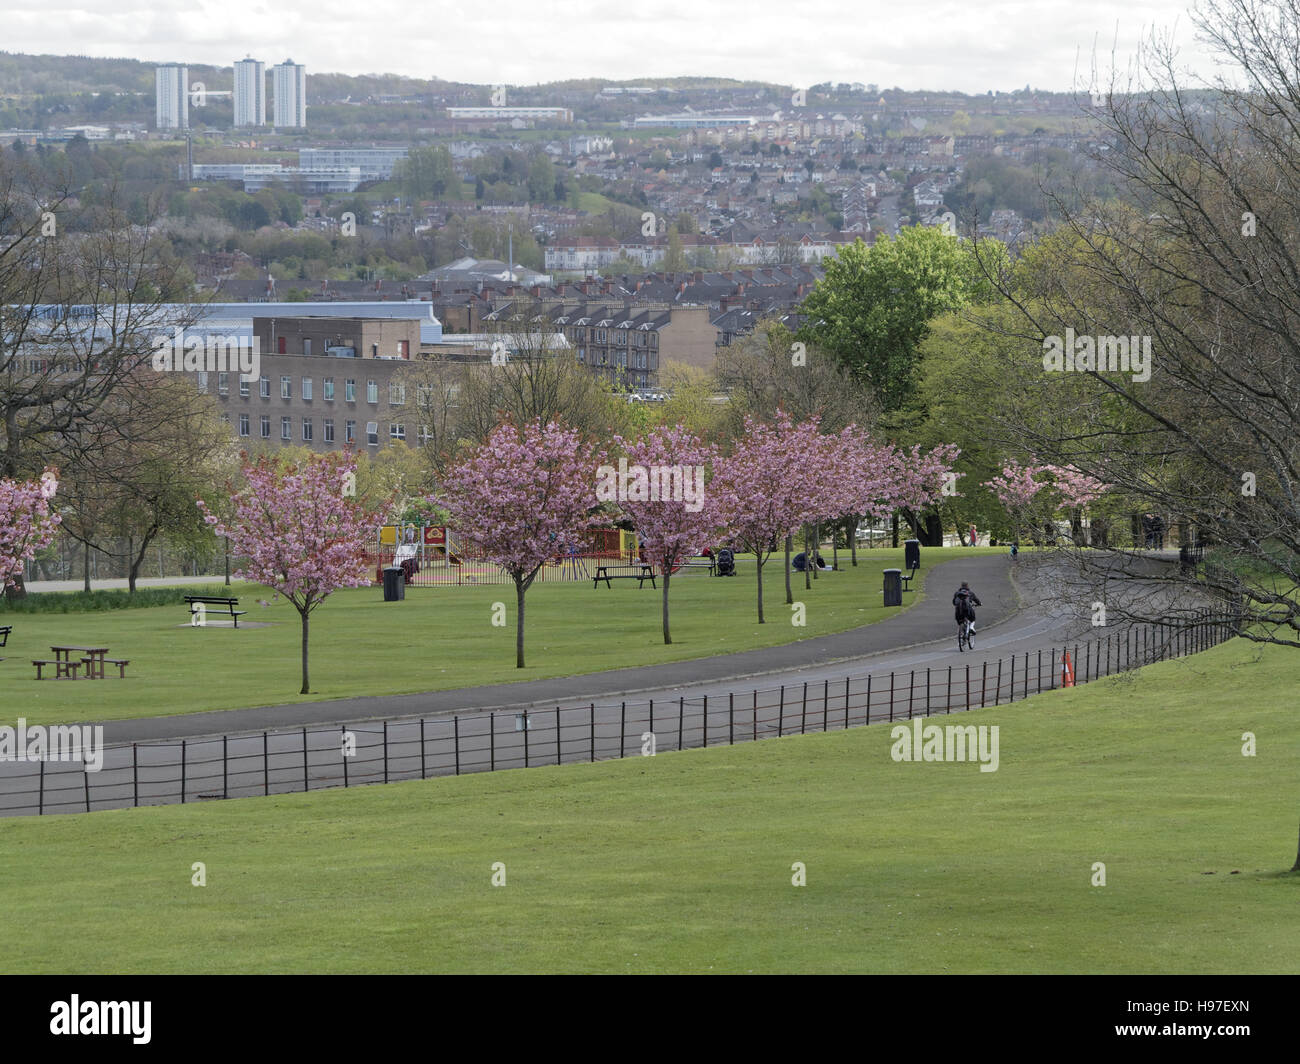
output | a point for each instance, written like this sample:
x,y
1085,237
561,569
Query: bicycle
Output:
x,y
965,634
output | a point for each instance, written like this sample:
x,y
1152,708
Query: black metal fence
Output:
x,y
284,762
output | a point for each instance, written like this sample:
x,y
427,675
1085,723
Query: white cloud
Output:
x,y
971,45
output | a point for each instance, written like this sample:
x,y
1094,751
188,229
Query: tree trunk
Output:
x,y
807,560
1296,867
835,545
227,552
306,687
894,536
852,532
817,546
520,591
667,574
789,546
758,570
85,583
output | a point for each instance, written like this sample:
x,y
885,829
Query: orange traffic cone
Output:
x,y
1067,671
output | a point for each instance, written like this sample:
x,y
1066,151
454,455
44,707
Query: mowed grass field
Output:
x,y
437,638
682,862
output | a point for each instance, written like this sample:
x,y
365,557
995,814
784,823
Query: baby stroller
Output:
x,y
726,563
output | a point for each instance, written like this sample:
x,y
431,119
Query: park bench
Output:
x,y
119,662
5,629
204,601
62,667
703,563
602,573
907,577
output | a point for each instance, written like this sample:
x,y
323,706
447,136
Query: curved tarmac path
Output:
x,y
896,642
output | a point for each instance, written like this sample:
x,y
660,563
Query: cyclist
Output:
x,y
964,603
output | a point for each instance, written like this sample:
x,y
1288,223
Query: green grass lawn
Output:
x,y
682,862
437,638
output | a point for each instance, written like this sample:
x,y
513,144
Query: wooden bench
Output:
x,y
703,563
602,573
119,662
61,668
4,634
205,601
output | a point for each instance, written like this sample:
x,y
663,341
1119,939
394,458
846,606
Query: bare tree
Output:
x,y
1178,306
82,294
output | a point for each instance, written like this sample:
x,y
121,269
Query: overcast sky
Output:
x,y
968,45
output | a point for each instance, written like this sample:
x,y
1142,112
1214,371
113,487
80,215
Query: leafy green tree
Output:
x,y
873,307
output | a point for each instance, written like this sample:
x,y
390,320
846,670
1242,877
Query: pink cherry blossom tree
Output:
x,y
672,530
760,487
520,497
919,478
302,530
1018,488
27,524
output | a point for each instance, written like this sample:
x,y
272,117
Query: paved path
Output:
x,y
822,683
929,619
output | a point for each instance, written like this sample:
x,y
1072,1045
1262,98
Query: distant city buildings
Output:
x,y
290,95
504,114
375,164
171,88
250,93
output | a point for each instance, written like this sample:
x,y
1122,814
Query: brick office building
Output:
x,y
323,383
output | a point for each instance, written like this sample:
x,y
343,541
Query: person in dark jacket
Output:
x,y
964,603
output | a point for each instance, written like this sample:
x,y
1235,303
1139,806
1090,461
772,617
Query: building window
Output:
x,y
350,391
306,429
223,383
372,392
425,434
327,388
327,426
350,432
286,429
243,388
266,427
280,349
286,388
265,387
396,393
243,424
396,432
372,433
203,381
306,347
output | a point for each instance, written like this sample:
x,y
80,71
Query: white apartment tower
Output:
x,y
172,97
290,81
250,93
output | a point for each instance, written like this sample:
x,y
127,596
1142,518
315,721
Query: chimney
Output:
x,y
681,289
740,289
536,291
699,276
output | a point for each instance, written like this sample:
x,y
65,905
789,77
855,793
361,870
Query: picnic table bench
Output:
x,y
602,573
92,660
204,601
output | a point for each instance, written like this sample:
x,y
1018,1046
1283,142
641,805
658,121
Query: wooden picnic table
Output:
x,y
647,572
93,656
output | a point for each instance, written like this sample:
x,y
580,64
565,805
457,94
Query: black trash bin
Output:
x,y
394,583
912,553
893,587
